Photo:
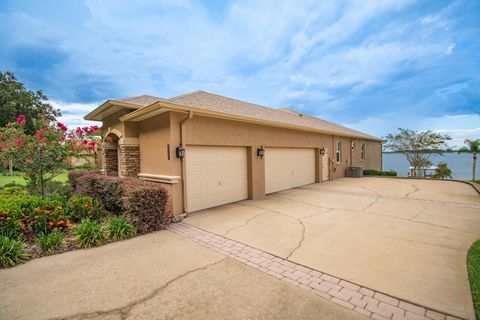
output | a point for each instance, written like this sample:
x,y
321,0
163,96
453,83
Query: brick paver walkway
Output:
x,y
364,301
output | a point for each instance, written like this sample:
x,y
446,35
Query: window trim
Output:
x,y
363,149
338,151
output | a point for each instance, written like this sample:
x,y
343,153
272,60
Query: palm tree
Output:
x,y
473,147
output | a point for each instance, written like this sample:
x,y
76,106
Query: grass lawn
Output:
x,y
4,179
476,181
474,275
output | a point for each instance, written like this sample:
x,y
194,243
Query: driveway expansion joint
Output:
x,y
364,301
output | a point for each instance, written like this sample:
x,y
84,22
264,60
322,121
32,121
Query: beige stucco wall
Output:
x,y
156,133
373,155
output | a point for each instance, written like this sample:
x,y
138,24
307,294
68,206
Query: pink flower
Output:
x,y
85,141
21,119
62,126
79,131
39,133
95,128
20,142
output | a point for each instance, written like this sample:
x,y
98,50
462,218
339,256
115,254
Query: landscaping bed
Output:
x,y
91,211
474,275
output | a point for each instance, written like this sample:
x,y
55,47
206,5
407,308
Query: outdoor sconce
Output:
x,y
322,151
180,152
260,152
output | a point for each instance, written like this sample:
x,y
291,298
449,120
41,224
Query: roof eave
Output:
x,y
152,110
96,114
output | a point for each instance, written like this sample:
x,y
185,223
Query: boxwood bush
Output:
x,y
372,172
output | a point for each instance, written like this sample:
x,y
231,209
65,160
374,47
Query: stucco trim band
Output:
x,y
159,178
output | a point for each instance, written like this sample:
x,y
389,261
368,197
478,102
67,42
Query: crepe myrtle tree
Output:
x,y
473,147
40,156
417,146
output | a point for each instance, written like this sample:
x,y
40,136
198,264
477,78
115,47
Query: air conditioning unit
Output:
x,y
355,172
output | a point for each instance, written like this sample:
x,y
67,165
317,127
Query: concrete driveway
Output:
x,y
158,276
406,238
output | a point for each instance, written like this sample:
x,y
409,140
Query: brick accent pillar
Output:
x,y
129,160
110,161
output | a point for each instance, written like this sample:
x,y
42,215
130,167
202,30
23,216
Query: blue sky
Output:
x,y
371,65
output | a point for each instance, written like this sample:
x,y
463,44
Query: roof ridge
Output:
x,y
185,95
230,98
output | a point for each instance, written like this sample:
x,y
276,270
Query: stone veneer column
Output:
x,y
110,161
129,160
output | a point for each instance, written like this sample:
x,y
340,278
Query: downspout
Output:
x,y
184,189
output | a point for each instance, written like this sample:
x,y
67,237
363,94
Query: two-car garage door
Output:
x,y
219,175
287,168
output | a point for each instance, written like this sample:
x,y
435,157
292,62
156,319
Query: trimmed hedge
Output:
x,y
143,202
372,172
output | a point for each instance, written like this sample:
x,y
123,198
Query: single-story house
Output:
x,y
209,150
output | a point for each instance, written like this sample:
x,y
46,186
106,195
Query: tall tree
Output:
x,y
473,147
16,99
417,146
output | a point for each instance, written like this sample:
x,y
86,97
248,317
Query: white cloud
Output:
x,y
458,127
73,113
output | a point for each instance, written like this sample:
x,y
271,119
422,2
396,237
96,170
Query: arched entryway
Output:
x,y
111,154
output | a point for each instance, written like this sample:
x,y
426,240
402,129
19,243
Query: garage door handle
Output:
x,y
219,183
293,173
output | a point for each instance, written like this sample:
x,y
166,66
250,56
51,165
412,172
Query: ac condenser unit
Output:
x,y
355,172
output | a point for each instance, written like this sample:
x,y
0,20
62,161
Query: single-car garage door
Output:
x,y
215,176
287,168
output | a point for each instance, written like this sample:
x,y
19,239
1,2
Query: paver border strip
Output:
x,y
360,299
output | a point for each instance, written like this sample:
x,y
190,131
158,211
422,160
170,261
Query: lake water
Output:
x,y
460,164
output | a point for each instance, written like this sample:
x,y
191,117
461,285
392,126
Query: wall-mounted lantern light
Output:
x,y
322,151
260,152
180,152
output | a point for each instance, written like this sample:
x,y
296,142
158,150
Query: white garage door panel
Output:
x,y
215,176
287,168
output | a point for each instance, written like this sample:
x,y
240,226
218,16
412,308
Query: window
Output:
x,y
338,151
362,152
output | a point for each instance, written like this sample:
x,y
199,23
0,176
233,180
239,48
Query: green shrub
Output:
x,y
84,207
26,203
90,234
50,241
31,214
12,224
473,263
13,190
12,252
119,228
373,172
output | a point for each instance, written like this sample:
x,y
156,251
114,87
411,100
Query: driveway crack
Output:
x,y
304,229
125,310
246,222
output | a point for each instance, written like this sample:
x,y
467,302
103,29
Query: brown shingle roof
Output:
x,y
143,101
213,102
